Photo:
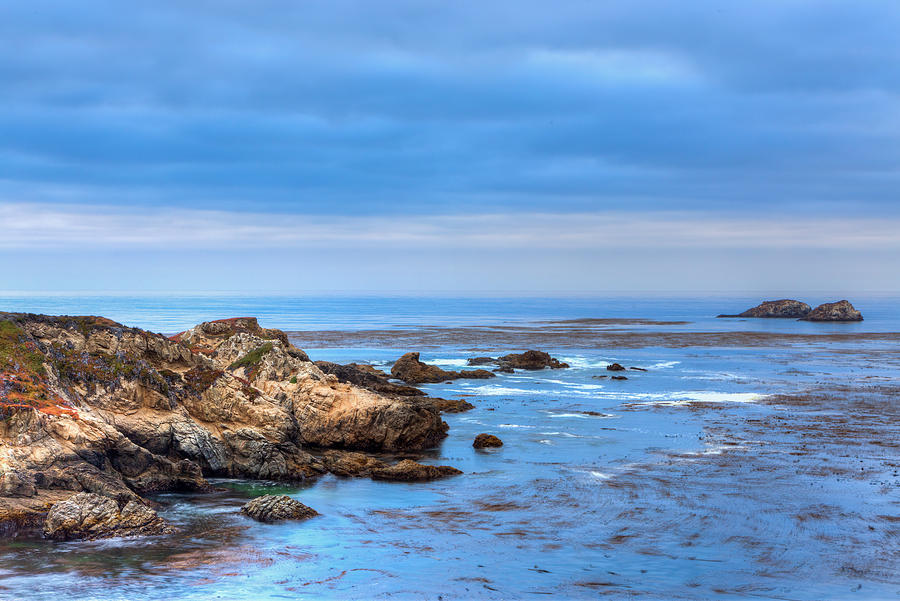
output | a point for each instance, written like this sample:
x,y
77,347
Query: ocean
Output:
x,y
752,459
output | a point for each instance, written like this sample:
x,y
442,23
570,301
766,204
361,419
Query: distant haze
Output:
x,y
583,147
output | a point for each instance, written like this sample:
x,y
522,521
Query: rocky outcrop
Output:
x,y
450,405
88,405
88,516
366,376
614,367
349,464
411,471
485,441
838,311
784,308
413,371
530,360
275,508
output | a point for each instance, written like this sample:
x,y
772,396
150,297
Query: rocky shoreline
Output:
x,y
96,415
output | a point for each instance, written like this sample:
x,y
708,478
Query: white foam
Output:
x,y
664,364
545,441
578,415
496,390
514,426
448,362
600,475
676,399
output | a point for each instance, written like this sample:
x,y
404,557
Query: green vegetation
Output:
x,y
252,358
293,379
14,350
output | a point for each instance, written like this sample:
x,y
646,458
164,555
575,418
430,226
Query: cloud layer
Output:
x,y
433,107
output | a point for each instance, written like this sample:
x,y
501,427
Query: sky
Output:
x,y
420,146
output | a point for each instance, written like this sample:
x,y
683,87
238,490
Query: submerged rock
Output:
x,y
531,360
784,308
838,311
88,516
614,367
484,441
274,508
411,471
619,378
450,405
409,369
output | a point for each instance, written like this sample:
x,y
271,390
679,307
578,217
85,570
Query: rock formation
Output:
x,y
530,360
274,508
784,308
614,367
411,471
838,311
484,441
366,376
88,516
88,405
412,371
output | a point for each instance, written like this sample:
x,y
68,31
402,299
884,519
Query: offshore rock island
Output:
x,y
95,415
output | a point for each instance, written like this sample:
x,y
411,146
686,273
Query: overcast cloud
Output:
x,y
418,125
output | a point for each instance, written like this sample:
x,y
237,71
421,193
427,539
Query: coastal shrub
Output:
x,y
293,379
252,358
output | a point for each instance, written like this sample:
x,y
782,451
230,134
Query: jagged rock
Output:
x,y
484,441
351,464
88,405
838,311
449,405
89,516
614,367
367,377
274,508
412,371
505,369
784,308
531,360
411,471
474,361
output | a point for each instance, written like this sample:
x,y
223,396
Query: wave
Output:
x,y
675,399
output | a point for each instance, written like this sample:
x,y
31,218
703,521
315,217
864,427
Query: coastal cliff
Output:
x,y
88,405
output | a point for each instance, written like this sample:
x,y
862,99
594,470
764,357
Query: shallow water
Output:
x,y
686,482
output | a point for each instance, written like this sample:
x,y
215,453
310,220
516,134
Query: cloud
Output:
x,y
405,107
43,227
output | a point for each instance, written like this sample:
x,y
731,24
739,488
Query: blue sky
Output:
x,y
434,146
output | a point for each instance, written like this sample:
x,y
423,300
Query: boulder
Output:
x,y
411,471
614,367
531,360
274,508
618,378
88,516
484,441
412,371
838,311
784,308
349,464
450,405
474,361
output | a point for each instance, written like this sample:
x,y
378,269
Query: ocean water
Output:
x,y
685,481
